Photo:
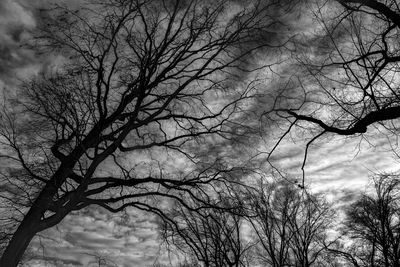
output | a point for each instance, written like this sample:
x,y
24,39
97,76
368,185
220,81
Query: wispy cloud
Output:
x,y
95,234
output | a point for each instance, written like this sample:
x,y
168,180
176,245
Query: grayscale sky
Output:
x,y
339,166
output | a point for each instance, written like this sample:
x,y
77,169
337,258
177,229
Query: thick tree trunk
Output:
x,y
31,224
19,242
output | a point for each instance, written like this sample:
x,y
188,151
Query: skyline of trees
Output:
x,y
284,226
290,224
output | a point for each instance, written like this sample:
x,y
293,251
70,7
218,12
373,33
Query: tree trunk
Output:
x,y
32,222
29,227
19,242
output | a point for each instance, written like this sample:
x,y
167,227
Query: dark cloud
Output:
x,y
349,196
19,20
4,7
16,24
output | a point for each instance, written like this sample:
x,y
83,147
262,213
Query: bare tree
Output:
x,y
314,218
373,223
346,83
213,236
290,225
142,84
347,73
180,264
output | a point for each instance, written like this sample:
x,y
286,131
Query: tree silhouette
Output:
x,y
214,237
143,86
345,82
290,225
372,222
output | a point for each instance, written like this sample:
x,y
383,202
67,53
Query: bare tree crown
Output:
x,y
152,78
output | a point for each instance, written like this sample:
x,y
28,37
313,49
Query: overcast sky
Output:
x,y
338,166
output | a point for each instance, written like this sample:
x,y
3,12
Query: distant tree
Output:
x,y
214,237
143,85
185,263
373,224
290,225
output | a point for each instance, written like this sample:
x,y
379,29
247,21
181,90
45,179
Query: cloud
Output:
x,y
16,23
12,12
347,164
93,240
84,237
131,239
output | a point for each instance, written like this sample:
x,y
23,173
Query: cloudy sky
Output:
x,y
91,237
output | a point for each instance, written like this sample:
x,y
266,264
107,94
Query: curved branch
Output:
x,y
375,5
360,126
